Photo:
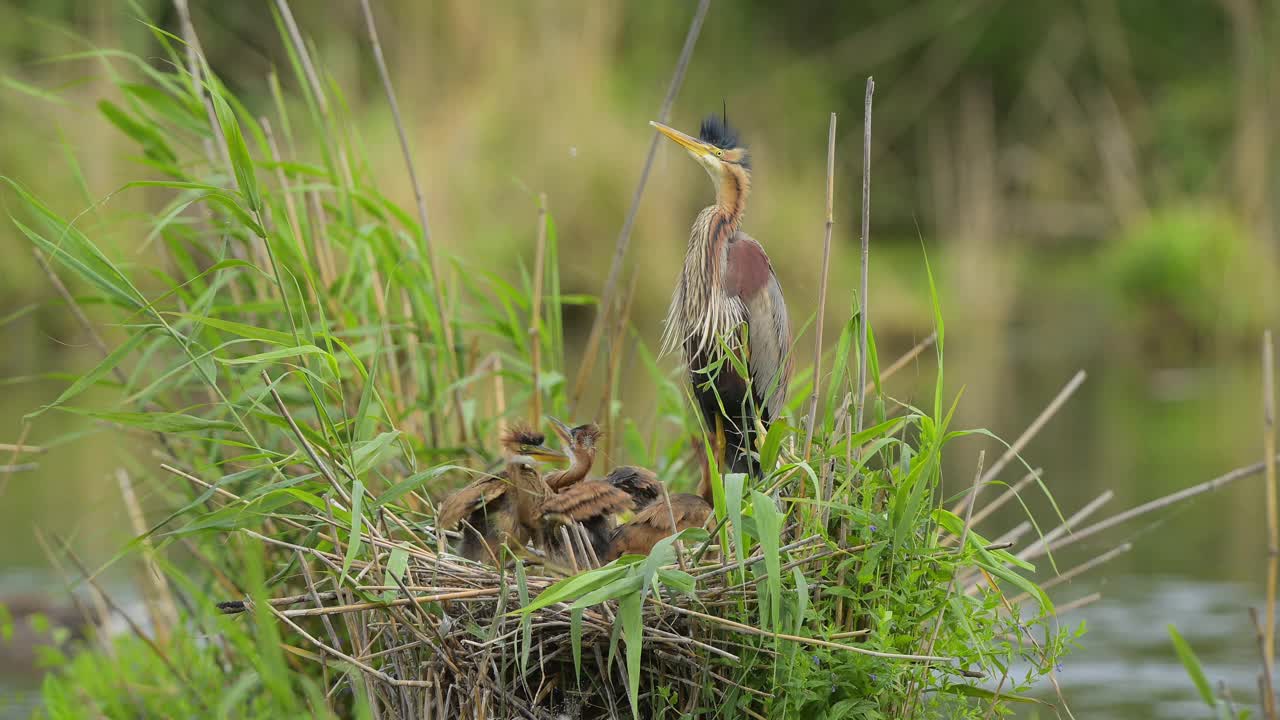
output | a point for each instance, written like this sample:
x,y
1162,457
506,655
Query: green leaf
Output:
x,y
145,134
769,526
574,587
275,337
526,621
575,638
92,377
977,692
413,482
357,519
802,599
677,580
1193,667
241,162
612,591
772,445
733,489
370,454
991,565
95,270
630,610
275,355
157,421
397,566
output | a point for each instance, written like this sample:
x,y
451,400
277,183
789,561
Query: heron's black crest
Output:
x,y
522,435
716,131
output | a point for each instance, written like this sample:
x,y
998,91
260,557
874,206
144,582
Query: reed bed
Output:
x,y
312,375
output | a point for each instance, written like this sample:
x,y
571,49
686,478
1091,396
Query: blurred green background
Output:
x,y
1094,182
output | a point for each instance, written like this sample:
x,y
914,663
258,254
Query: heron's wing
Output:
x,y
554,478
585,500
632,539
749,277
469,499
637,482
687,510
654,523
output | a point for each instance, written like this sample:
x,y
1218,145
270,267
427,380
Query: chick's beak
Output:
x,y
696,147
546,454
564,431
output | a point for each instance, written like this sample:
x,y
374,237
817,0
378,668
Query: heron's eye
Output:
x,y
719,152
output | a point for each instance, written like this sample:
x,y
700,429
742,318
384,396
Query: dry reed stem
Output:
x,y
1076,571
195,68
20,449
1089,599
15,450
20,467
1273,527
343,656
1041,545
160,605
822,297
1004,497
159,652
535,310
1162,502
977,487
433,263
1032,430
796,638
901,363
1265,687
624,236
321,466
864,314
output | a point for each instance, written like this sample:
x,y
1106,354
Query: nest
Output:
x,y
449,639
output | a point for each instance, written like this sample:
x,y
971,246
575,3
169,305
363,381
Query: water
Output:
x,y
1139,432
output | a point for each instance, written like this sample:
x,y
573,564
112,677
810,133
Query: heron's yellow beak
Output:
x,y
564,431
696,147
542,453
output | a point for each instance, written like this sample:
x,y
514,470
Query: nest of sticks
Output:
x,y
446,638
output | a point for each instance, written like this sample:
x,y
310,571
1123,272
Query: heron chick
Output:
x,y
503,508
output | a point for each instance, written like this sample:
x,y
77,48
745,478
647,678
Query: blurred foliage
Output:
x,y
1184,271
1096,111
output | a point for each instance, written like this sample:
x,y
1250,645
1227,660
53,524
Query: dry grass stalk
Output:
x,y
1042,545
159,601
1162,502
1273,526
535,310
592,347
1265,688
864,315
433,263
1076,571
1032,430
822,297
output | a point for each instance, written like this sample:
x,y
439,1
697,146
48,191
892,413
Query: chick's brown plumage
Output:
x,y
593,504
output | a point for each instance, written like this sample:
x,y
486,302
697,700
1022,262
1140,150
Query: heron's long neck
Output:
x,y
731,193
700,310
530,490
578,468
721,220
